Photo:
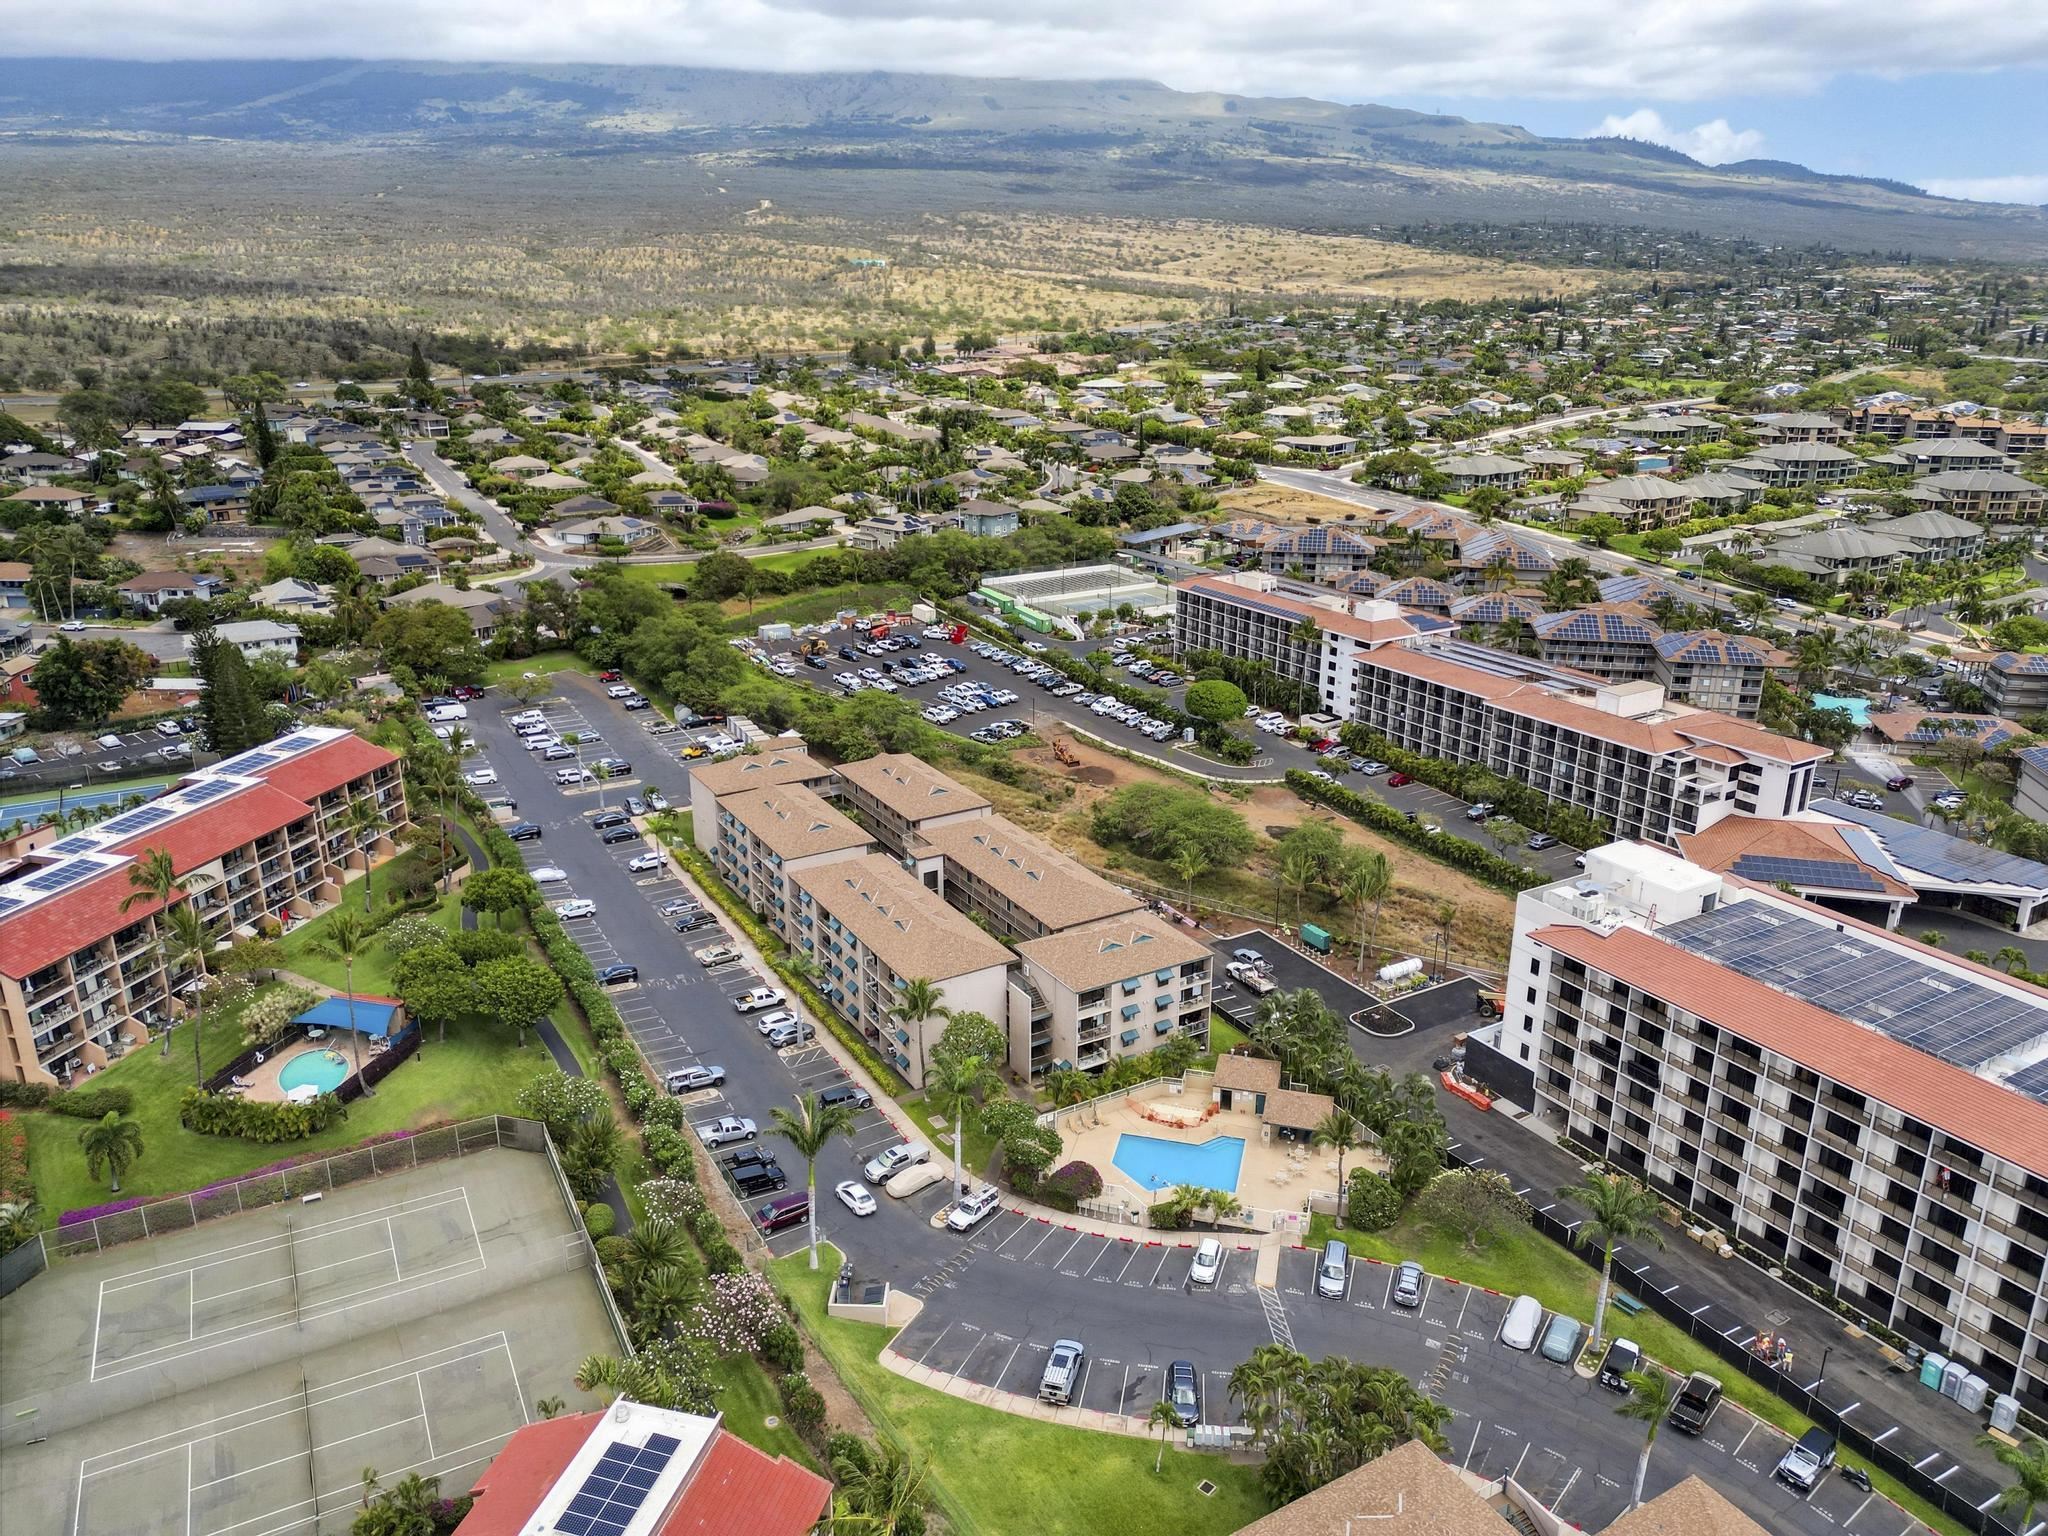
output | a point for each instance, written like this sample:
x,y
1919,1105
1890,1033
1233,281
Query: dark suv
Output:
x,y
847,1093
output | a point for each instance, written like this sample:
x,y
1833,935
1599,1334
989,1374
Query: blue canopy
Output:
x,y
374,1016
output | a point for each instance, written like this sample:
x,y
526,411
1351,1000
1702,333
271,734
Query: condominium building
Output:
x,y
764,837
1016,883
1788,466
2016,684
898,798
781,765
1710,670
1644,765
871,928
259,839
1113,988
1995,495
1318,554
1866,1112
1611,643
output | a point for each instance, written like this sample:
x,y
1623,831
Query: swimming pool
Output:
x,y
325,1070
1159,1164
1858,709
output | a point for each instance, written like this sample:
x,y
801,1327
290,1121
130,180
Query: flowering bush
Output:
x,y
672,1200
1070,1184
736,1313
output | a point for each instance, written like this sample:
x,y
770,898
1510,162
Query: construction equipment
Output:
x,y
814,646
1065,753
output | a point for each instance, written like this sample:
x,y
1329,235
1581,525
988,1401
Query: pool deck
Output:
x,y
1274,1174
263,1077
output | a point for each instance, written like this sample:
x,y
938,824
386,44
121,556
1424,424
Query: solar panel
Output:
x,y
84,844
295,743
617,1487
1837,876
205,790
8,904
131,822
1938,854
58,876
2031,1080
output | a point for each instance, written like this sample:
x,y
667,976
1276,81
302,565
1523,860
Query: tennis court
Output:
x,y
235,1379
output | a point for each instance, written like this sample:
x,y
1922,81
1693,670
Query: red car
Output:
x,y
613,676
1396,780
1899,782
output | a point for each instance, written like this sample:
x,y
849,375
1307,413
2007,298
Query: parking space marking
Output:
x,y
934,1344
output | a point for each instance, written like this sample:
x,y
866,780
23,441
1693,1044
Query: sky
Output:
x,y
1949,94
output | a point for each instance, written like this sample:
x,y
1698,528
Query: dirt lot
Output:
x,y
1282,504
234,550
1057,803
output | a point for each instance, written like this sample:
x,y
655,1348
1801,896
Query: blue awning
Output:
x,y
1161,1026
1129,1037
374,1016
1130,1010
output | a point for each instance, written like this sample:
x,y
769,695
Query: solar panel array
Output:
x,y
1835,874
59,876
1940,855
617,1487
206,790
1879,985
2031,1080
1585,625
128,823
82,844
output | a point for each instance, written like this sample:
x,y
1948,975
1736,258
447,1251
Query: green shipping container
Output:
x,y
1317,939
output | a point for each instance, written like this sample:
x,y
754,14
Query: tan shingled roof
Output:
x,y
1035,876
1690,1509
906,786
1253,1073
1406,1492
779,767
792,821
890,912
1118,947
1297,1110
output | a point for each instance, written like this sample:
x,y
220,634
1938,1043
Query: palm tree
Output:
x,y
1618,1210
1368,880
653,1248
365,822
113,1144
1339,1131
548,1407
886,1488
2028,1463
1648,1401
955,1086
1300,869
809,1129
1165,1420
1189,863
189,944
917,1002
154,878
347,937
437,774
2012,957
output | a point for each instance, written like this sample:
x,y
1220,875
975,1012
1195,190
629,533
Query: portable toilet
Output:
x,y
1317,939
2005,1413
1970,1396
1931,1367
1952,1379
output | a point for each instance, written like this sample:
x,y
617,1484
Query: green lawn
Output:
x,y
373,967
679,573
478,1071
986,1465
1224,1037
977,1145
816,607
1527,1262
547,662
747,1399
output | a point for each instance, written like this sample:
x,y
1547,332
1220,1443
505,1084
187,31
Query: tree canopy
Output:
x,y
1160,820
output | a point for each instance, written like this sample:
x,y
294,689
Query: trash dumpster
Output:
x,y
1317,939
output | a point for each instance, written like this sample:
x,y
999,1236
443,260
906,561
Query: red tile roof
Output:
x,y
739,1491
1979,1111
214,829
735,1491
312,774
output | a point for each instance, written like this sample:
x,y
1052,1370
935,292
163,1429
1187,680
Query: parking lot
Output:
x,y
679,1011
995,1307
1290,971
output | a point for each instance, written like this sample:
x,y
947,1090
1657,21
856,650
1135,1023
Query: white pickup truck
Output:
x,y
1250,977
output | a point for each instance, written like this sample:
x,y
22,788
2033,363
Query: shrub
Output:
x,y
209,1114
1067,1186
802,1402
14,1179
1027,1152
1381,817
1170,1215
782,1347
671,1200
720,1256
24,1095
1373,1204
91,1103
598,1219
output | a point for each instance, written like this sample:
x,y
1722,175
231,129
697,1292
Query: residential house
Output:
x,y
149,591
292,595
588,534
257,639
1472,471
987,519
485,607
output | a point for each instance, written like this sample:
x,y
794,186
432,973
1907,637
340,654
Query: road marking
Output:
x,y
1567,1488
1515,1475
1062,1259
934,1344
1477,1426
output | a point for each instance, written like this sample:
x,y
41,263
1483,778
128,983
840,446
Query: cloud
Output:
x,y
1712,143
1351,50
1992,189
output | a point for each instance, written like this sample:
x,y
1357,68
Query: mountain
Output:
x,y
1086,144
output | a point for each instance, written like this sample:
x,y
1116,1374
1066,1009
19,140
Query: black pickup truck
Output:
x,y
1695,1403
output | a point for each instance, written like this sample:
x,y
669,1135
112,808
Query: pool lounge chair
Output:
x,y
240,1082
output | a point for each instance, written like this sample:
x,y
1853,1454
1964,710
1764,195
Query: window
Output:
x,y
1532,997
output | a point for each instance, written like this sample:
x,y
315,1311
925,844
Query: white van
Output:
x,y
110,743
1518,1328
441,714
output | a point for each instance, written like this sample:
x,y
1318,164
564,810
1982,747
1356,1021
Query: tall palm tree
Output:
x,y
1618,1210
1189,863
1299,869
1337,1130
437,774
154,878
364,820
2028,1463
955,1086
1368,880
810,1128
886,1488
348,936
1165,1420
1648,1401
917,1002
111,1143
190,944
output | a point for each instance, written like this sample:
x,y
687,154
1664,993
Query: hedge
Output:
x,y
91,1103
1454,851
598,1219
210,1114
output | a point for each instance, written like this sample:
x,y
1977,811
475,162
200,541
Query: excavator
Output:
x,y
1065,753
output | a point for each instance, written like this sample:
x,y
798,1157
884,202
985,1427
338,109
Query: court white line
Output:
x,y
273,1243
389,1252
467,1349
188,1486
191,1308
426,1424
350,1491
